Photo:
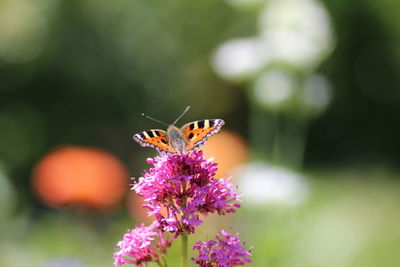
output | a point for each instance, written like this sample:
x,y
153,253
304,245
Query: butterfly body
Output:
x,y
179,140
176,139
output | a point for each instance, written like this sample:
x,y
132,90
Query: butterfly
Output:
x,y
179,140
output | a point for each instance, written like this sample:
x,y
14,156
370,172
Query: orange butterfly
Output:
x,y
177,141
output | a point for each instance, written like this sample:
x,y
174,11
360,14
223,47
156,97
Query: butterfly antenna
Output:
x,y
150,118
183,113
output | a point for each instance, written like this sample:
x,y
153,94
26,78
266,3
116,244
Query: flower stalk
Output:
x,y
184,247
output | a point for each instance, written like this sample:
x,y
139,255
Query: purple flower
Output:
x,y
141,245
225,251
184,186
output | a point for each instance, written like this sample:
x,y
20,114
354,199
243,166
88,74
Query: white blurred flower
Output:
x,y
273,87
239,59
297,32
316,93
264,184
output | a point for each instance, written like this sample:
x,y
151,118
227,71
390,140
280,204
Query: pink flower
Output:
x,y
185,186
141,245
225,251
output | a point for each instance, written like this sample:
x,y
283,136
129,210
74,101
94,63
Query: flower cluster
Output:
x,y
177,190
184,186
141,245
225,251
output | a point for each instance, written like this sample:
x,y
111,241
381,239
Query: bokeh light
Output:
x,y
274,89
240,59
80,176
316,93
296,32
263,184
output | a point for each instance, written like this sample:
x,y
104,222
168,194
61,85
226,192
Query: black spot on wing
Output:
x,y
191,135
150,133
191,126
164,141
211,122
200,124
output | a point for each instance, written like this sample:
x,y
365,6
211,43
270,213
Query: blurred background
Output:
x,y
309,91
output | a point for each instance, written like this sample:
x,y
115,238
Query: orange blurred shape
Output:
x,y
228,149
80,176
136,210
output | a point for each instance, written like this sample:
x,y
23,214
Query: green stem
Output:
x,y
165,263
184,250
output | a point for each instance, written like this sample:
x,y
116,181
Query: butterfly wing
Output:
x,y
157,139
197,132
